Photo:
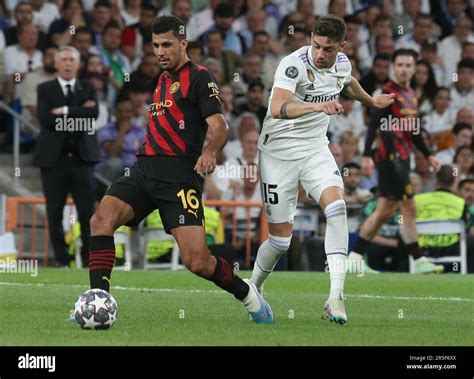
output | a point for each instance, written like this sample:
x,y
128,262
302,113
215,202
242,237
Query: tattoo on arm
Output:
x,y
283,107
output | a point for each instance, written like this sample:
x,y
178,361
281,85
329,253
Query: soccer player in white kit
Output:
x,y
294,148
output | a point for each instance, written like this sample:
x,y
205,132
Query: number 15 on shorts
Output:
x,y
269,194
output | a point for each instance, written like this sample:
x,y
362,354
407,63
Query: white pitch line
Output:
x,y
361,296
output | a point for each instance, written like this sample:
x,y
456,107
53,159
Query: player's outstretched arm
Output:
x,y
355,91
217,133
283,107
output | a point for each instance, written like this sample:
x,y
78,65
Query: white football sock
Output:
x,y
251,301
335,244
268,255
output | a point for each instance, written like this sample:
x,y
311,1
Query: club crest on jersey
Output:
x,y
174,87
311,77
291,72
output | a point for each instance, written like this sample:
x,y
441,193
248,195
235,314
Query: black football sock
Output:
x,y
225,278
101,261
414,250
360,245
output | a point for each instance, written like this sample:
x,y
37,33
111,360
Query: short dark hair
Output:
x,y
458,151
164,24
351,19
330,26
350,165
103,3
463,182
260,33
149,7
467,43
466,63
422,16
439,89
460,126
255,84
112,24
445,175
20,3
405,52
122,98
224,10
381,18
214,32
68,3
297,30
195,45
84,30
381,57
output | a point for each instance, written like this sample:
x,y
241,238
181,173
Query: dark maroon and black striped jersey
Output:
x,y
398,126
181,103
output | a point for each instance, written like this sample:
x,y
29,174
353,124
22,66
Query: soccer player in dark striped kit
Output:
x,y
186,108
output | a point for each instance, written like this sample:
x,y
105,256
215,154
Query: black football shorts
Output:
x,y
394,179
167,184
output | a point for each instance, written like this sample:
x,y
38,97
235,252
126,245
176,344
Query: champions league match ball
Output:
x,y
95,309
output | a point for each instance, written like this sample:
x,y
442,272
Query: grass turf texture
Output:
x,y
177,308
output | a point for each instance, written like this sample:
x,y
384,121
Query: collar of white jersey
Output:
x,y
309,55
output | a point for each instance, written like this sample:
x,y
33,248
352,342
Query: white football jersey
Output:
x,y
302,136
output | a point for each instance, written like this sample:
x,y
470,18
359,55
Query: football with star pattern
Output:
x,y
95,309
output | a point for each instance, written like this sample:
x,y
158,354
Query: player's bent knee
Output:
x,y
101,225
281,229
197,266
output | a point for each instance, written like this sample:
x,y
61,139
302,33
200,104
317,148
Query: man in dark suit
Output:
x,y
67,149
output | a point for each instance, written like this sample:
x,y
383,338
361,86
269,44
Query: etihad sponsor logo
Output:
x,y
157,109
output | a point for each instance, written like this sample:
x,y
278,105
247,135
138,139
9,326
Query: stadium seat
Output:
x,y
158,234
122,237
445,227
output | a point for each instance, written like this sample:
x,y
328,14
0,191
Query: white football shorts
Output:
x,y
279,181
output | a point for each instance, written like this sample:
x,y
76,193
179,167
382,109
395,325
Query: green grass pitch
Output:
x,y
176,308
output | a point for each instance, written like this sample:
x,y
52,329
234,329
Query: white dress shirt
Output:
x,y
63,83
